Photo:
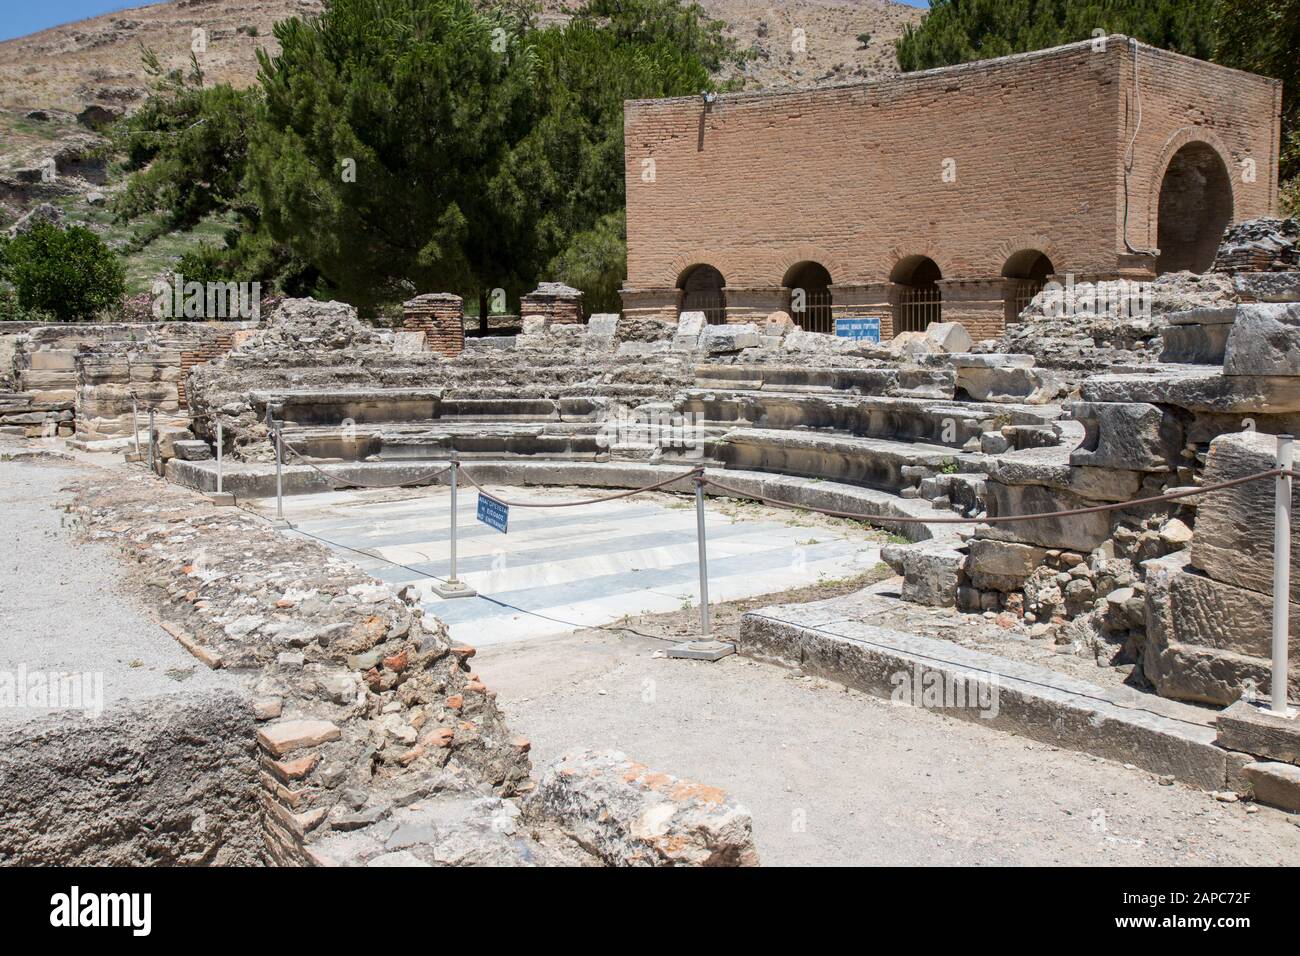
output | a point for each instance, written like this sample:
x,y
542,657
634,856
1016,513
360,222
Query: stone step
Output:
x,y
834,640
1276,784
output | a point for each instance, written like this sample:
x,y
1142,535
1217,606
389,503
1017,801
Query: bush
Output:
x,y
69,273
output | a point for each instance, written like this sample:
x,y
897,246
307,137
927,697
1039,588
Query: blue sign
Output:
x,y
493,513
864,329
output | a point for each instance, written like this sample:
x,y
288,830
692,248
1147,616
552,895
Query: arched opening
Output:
x,y
1195,209
917,299
808,297
1025,274
704,290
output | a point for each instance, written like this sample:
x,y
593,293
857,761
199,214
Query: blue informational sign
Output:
x,y
865,328
493,513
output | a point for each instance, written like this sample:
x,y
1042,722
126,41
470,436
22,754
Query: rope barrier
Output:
x,y
694,472
1004,519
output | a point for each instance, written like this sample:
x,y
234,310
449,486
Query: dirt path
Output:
x,y
836,777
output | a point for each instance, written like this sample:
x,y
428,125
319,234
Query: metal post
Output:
x,y
1281,574
152,440
279,471
704,560
219,445
135,427
704,647
454,587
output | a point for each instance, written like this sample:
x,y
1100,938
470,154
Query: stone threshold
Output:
x,y
831,639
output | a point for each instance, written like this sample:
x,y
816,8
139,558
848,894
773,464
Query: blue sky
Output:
x,y
20,17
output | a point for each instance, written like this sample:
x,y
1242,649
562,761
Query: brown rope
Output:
x,y
1003,519
697,472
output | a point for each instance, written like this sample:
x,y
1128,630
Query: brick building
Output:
x,y
952,192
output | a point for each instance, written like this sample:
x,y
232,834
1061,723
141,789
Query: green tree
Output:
x,y
958,31
1263,36
382,125
69,273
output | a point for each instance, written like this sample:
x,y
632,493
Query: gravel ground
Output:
x,y
63,607
837,777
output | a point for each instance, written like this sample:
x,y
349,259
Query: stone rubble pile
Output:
x,y
380,744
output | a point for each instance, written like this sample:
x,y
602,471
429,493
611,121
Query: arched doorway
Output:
x,y
808,297
1195,208
1025,274
917,299
704,290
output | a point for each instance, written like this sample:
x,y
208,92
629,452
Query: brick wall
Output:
x,y
966,165
441,317
559,303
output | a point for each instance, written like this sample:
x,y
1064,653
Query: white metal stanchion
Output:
x,y
1281,574
135,427
220,490
704,647
279,471
153,439
453,587
220,497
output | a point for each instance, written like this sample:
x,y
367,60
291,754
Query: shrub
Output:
x,y
69,273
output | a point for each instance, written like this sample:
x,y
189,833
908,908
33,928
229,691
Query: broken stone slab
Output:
x,y
1203,315
991,562
949,336
1195,344
602,329
629,815
991,360
408,342
1015,384
931,570
1210,613
1268,286
1249,726
1134,437
1274,784
730,338
1234,526
1072,532
1265,340
191,450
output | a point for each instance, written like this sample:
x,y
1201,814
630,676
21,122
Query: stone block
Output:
x,y
1012,383
408,342
290,735
1234,527
1207,315
1265,340
931,571
949,336
730,338
628,815
1268,286
1195,344
602,328
1274,784
191,450
991,360
53,360
1074,532
1252,728
1134,437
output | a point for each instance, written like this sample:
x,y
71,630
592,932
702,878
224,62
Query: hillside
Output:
x,y
48,78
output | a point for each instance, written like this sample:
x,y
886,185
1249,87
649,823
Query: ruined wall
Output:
x,y
164,782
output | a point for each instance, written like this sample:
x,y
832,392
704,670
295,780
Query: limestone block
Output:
x,y
778,324
1013,383
1234,527
991,360
191,450
1265,340
1195,344
730,338
602,328
690,325
534,324
931,570
1136,437
1003,558
54,396
1254,729
408,342
949,336
1075,532
1275,784
1205,315
33,379
629,815
53,360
